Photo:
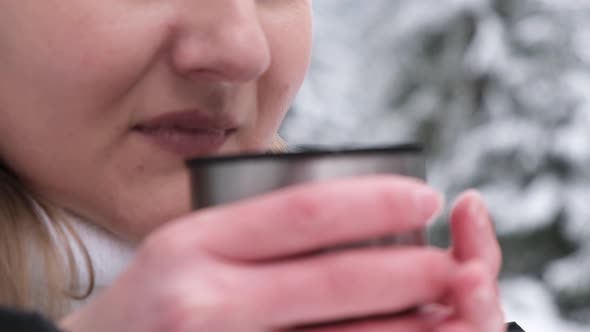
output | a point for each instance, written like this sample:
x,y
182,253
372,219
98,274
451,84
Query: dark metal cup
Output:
x,y
223,180
227,179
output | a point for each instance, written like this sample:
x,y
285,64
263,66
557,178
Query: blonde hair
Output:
x,y
278,145
38,270
37,264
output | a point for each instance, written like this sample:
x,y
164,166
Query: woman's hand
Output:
x,y
474,237
243,267
473,304
475,243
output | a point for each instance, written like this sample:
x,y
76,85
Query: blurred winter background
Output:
x,y
499,93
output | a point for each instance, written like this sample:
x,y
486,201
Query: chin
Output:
x,y
141,226
136,219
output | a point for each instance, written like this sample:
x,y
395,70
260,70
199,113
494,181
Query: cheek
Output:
x,y
95,48
62,78
66,69
290,42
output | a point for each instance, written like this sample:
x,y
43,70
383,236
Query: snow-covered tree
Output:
x,y
499,93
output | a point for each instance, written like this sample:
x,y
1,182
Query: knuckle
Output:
x,y
303,209
182,308
439,268
304,206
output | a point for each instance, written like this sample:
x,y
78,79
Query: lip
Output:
x,y
189,134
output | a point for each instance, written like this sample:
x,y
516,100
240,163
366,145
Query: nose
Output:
x,y
220,38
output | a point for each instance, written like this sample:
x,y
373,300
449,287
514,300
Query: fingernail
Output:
x,y
477,210
428,202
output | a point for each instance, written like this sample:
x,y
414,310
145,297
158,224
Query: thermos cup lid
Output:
x,y
310,151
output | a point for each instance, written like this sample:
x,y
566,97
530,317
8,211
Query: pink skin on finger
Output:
x,y
474,297
314,216
345,285
454,326
473,233
410,323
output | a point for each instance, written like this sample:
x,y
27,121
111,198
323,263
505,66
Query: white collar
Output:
x,y
109,256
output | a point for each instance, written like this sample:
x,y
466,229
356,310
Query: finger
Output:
x,y
476,302
314,216
473,234
434,318
454,326
344,285
409,323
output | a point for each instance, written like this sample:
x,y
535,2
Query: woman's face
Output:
x,y
102,101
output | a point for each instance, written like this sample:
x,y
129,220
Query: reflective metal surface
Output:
x,y
222,180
